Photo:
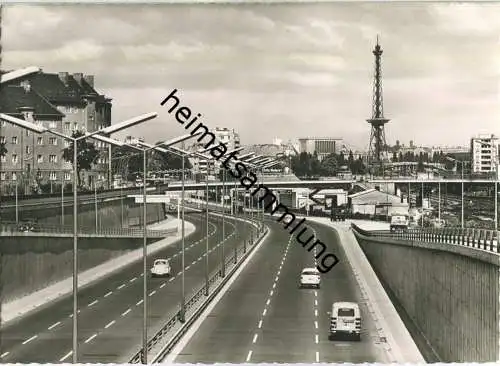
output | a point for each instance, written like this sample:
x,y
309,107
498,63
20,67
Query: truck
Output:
x,y
399,221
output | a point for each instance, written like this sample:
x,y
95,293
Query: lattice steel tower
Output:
x,y
378,144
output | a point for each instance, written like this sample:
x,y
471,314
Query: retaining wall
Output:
x,y
450,293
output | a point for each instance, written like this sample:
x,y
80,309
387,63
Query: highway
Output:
x,y
265,317
110,311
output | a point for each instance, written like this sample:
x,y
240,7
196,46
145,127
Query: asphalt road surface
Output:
x,y
265,317
111,310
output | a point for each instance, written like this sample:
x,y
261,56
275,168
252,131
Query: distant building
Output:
x,y
132,140
62,102
374,202
484,153
322,146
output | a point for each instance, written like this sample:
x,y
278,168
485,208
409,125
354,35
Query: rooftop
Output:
x,y
13,97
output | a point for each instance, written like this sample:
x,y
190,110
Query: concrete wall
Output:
x,y
452,298
32,263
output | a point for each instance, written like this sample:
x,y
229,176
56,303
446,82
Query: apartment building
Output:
x,y
485,153
63,103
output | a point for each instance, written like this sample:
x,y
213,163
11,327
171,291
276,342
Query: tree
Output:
x,y
86,155
329,165
126,161
394,157
3,149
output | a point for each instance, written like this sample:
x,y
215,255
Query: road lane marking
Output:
x,y
109,324
316,338
93,303
315,293
133,279
4,354
268,302
315,324
152,293
260,324
249,356
139,302
274,285
53,326
264,312
121,286
271,293
315,312
170,280
66,356
126,312
90,338
255,338
315,302
109,293
163,285
317,356
30,339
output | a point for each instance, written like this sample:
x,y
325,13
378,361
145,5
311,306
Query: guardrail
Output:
x,y
473,238
193,300
9,228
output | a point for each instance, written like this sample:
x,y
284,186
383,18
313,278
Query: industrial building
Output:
x,y
374,202
484,153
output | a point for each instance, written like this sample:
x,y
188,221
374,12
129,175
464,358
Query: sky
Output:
x,y
277,70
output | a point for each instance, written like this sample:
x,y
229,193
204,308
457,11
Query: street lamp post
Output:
x,y
223,262
96,135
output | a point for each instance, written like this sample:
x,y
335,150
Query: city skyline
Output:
x,y
280,68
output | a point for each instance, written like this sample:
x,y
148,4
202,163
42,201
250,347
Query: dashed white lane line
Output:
x,y
66,356
90,338
317,356
152,293
264,312
316,338
271,293
109,293
139,302
93,303
53,326
163,285
126,312
30,339
316,312
120,287
315,293
260,324
4,354
255,338
268,302
133,279
249,356
109,324
315,324
315,302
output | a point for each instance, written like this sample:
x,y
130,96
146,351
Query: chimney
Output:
x,y
64,77
78,77
89,79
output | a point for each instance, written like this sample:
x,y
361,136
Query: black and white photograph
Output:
x,y
250,182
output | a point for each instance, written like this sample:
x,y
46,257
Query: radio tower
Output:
x,y
377,136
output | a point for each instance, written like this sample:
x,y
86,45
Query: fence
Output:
x,y
473,238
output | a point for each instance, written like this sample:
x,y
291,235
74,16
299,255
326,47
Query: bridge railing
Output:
x,y
12,228
474,238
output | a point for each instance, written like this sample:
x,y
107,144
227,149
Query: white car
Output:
x,y
161,268
310,277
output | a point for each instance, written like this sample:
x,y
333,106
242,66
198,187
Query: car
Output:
x,y
310,277
161,268
345,319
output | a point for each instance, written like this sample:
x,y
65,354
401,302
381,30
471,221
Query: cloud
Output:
x,y
287,69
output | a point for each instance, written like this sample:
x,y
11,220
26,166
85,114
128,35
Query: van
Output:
x,y
399,221
345,319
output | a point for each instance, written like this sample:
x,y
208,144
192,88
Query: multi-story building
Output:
x,y
63,103
227,136
322,146
484,153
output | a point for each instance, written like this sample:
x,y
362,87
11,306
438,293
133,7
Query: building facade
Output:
x,y
63,103
484,153
322,146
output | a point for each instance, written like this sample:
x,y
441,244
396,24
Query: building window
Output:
x,y
39,174
27,132
27,149
14,140
3,140
40,159
3,175
52,124
14,159
39,141
67,176
2,123
3,159
66,143
52,141
53,176
67,126
53,158
14,176
75,125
